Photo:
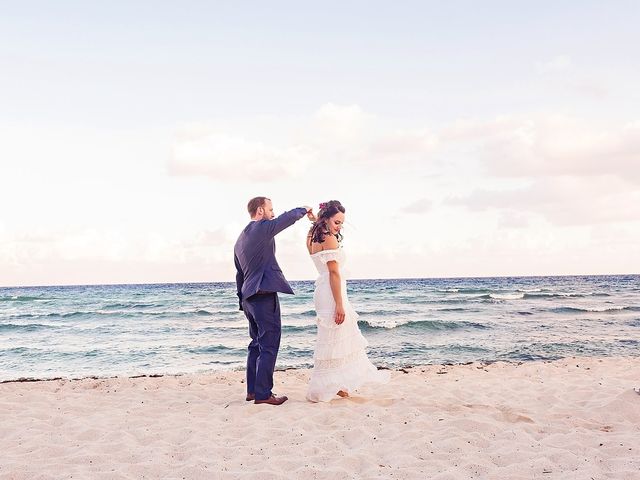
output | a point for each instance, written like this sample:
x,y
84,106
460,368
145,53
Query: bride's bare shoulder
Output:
x,y
329,243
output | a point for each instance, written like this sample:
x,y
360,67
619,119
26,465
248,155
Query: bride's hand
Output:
x,y
311,216
339,316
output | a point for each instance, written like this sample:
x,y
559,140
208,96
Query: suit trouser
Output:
x,y
263,313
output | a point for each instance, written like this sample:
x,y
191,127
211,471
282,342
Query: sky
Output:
x,y
464,138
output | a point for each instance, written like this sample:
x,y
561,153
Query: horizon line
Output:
x,y
312,280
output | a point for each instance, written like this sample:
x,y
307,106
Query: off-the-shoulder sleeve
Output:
x,y
329,255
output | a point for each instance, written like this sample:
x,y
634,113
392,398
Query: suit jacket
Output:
x,y
255,256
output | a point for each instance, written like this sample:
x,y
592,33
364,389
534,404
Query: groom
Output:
x,y
259,278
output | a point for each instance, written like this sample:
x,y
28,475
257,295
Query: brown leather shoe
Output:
x,y
272,400
251,397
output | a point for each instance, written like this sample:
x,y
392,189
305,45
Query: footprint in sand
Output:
x,y
383,402
507,414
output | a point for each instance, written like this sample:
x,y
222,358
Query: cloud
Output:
x,y
514,219
408,146
551,145
561,73
346,124
419,206
221,156
590,88
366,138
210,238
564,146
335,136
116,245
559,63
562,201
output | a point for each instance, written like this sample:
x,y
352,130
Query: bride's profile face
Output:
x,y
335,223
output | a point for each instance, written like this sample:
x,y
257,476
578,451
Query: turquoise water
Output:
x,y
125,330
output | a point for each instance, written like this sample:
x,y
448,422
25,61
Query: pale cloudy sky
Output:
x,y
464,138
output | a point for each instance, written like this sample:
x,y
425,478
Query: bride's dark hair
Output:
x,y
321,228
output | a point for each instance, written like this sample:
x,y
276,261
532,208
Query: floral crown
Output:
x,y
323,205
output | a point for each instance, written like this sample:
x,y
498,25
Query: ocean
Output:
x,y
129,330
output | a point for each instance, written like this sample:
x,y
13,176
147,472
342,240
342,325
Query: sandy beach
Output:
x,y
576,418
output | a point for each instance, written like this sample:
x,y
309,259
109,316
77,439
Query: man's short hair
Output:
x,y
255,203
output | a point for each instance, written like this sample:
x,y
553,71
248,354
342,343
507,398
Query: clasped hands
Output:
x,y
310,215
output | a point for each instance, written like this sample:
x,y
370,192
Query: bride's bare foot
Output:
x,y
343,394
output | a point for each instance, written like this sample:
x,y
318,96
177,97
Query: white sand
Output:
x,y
571,419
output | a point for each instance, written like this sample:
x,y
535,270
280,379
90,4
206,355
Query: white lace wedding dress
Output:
x,y
339,360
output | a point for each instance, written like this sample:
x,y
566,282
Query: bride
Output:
x,y
340,364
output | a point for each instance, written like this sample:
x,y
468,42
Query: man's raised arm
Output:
x,y
285,220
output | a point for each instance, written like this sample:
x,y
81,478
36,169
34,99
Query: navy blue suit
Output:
x,y
259,278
